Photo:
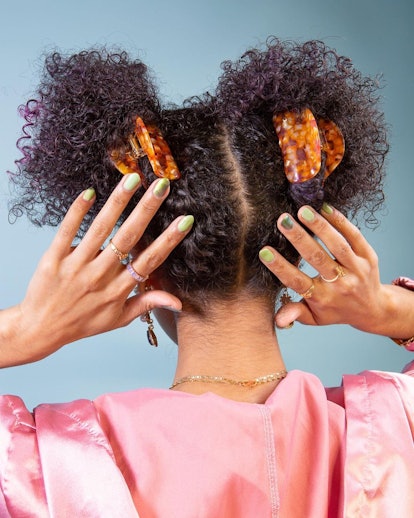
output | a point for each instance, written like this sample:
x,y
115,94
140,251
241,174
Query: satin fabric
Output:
x,y
307,452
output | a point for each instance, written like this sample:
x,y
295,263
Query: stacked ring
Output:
x,y
137,277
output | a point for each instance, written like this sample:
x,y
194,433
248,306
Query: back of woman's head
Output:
x,y
232,170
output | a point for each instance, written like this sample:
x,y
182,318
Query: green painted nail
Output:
x,y
89,194
327,208
161,187
266,255
131,181
307,214
186,223
287,223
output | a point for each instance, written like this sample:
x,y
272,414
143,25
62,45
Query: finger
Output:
x,y
153,256
349,231
108,216
147,301
288,274
294,311
134,226
62,242
309,249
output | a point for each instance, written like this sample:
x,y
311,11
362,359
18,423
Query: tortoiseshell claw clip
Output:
x,y
333,144
302,138
145,141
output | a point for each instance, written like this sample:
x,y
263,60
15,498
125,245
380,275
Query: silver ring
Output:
x,y
340,272
136,276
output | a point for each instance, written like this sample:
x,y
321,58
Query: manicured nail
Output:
x,y
186,223
89,194
287,223
131,181
161,187
327,208
266,255
307,214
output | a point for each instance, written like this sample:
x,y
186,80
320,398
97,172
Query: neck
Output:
x,y
236,340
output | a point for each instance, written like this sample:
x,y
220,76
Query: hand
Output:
x,y
348,288
83,291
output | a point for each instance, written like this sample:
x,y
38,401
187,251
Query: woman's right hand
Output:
x,y
82,291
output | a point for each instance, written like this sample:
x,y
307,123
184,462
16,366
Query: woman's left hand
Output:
x,y
347,289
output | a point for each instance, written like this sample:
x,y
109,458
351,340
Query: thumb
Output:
x,y
294,311
147,301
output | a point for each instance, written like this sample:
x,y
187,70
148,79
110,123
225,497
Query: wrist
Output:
x,y
408,284
395,317
11,337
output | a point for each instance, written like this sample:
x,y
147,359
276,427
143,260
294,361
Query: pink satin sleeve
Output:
x,y
58,463
379,468
22,491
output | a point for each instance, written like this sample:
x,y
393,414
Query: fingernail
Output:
x,y
307,214
89,194
327,208
131,181
161,187
186,223
266,255
287,223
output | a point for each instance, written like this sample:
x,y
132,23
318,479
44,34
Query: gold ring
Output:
x,y
340,272
122,256
308,293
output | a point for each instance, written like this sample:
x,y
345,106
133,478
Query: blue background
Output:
x,y
184,42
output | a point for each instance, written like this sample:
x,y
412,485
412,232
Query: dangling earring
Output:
x,y
146,317
152,339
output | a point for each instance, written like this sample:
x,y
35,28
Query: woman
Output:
x,y
290,130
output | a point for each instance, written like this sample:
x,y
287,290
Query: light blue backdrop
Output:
x,y
184,41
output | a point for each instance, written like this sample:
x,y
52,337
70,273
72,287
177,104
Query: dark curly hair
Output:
x,y
224,144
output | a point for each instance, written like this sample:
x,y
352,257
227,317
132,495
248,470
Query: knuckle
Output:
x,y
297,236
343,250
67,230
100,230
317,258
47,265
127,240
152,259
320,225
373,259
119,199
148,206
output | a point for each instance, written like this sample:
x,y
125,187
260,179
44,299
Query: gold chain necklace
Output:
x,y
275,376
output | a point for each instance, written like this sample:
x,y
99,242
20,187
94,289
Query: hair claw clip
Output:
x,y
148,141
302,139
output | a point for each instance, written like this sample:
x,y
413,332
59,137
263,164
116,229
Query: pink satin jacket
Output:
x,y
308,452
